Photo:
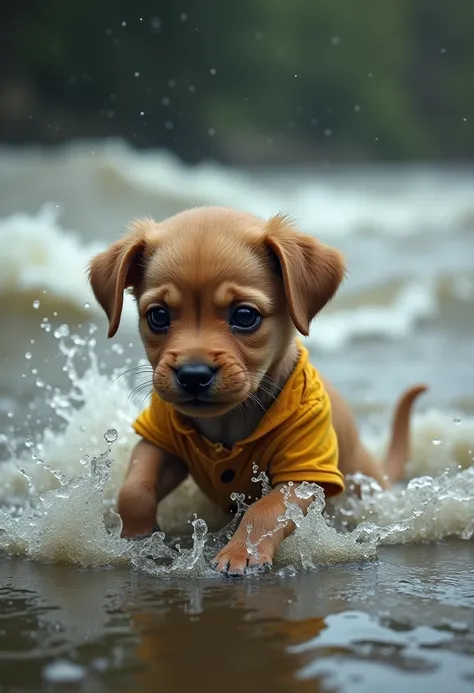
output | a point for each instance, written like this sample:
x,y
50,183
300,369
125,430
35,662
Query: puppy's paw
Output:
x,y
235,561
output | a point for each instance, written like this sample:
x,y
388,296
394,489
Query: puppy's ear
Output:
x,y
311,271
118,268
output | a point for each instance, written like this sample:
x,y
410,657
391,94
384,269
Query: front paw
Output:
x,y
235,560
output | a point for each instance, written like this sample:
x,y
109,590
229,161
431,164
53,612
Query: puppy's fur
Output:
x,y
200,264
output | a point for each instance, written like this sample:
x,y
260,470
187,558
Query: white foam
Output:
x,y
59,516
412,304
43,262
391,201
40,259
64,671
319,206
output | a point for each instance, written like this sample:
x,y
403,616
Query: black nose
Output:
x,y
195,378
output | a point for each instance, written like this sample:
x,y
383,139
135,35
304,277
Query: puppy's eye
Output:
x,y
245,318
158,319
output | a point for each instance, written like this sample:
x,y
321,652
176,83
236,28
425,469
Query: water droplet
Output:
x,y
124,23
36,304
335,40
63,670
457,420
61,331
87,306
111,435
200,528
436,441
142,113
357,108
443,50
136,74
28,355
183,16
211,132
328,132
213,71
39,383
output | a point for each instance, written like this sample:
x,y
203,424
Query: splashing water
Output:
x,y
58,491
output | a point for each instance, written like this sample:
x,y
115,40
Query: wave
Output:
x,y
55,490
44,265
326,202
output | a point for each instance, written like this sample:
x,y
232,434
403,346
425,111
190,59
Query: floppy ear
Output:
x,y
118,268
311,271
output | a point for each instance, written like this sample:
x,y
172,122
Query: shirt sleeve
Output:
x,y
154,425
307,449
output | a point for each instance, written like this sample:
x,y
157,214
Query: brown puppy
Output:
x,y
220,297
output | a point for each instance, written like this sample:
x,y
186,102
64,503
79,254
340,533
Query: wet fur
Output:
x,y
200,263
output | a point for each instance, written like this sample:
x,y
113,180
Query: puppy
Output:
x,y
221,295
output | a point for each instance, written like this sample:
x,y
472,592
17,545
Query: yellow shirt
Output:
x,y
294,441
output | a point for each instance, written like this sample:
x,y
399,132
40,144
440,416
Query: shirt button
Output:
x,y
227,476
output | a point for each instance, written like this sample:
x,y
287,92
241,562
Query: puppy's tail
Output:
x,y
399,448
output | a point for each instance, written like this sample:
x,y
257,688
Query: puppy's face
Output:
x,y
219,294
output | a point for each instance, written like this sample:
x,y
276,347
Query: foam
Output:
x,y
44,262
316,204
58,494
329,201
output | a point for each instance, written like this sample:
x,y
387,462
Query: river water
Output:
x,y
370,592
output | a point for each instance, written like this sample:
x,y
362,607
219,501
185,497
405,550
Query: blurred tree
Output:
x,y
387,80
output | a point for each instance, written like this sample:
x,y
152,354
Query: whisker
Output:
x,y
255,399
266,378
130,372
269,393
144,400
139,388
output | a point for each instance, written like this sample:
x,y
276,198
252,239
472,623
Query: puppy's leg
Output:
x,y
262,517
151,476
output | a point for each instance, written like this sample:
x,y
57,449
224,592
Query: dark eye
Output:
x,y
245,318
158,319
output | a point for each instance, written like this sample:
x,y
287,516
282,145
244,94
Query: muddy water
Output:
x,y
370,593
405,622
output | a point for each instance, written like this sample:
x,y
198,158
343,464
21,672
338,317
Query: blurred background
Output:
x,y
254,82
356,117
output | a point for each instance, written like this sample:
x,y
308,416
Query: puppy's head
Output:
x,y
219,295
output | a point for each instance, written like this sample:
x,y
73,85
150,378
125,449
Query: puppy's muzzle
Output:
x,y
195,379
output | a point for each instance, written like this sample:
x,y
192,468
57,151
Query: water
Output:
x,y
353,596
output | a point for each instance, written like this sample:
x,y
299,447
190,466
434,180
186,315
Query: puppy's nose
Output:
x,y
195,378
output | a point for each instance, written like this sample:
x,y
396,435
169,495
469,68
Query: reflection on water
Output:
x,y
345,627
